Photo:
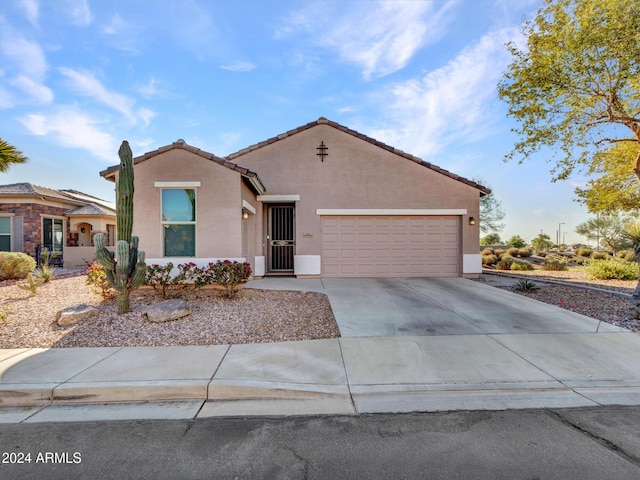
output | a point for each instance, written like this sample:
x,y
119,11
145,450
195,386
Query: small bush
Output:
x,y
15,265
513,252
159,277
612,269
626,255
489,259
600,256
97,279
521,265
499,252
584,252
525,252
230,274
487,251
32,284
4,313
525,286
505,262
554,263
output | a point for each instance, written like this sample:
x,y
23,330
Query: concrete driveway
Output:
x,y
389,307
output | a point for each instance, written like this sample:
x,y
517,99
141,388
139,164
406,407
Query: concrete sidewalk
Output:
x,y
477,349
335,376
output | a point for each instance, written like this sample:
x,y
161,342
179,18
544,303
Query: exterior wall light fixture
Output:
x,y
472,221
245,213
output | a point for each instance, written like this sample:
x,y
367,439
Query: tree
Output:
x,y
632,233
609,229
491,239
491,212
616,188
576,87
517,241
9,155
541,242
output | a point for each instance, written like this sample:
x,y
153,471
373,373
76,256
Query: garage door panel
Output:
x,y
390,246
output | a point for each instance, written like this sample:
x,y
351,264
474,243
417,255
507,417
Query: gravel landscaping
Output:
x,y
254,316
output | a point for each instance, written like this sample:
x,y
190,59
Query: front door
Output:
x,y
281,238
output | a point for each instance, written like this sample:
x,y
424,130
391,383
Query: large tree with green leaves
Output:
x,y
608,230
575,86
9,155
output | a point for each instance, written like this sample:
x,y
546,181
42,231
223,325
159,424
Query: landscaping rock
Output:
x,y
73,315
166,311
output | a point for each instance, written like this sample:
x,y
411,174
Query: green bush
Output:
x,y
612,269
525,252
525,286
584,252
554,263
487,251
600,256
499,252
627,255
521,265
15,265
489,259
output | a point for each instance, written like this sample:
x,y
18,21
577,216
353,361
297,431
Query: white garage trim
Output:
x,y
278,198
176,184
390,211
472,263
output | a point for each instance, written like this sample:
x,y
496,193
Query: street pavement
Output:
x,y
582,444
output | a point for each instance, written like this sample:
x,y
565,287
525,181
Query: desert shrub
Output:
x,y
626,255
584,252
505,262
600,256
525,252
499,252
555,263
15,265
521,265
159,277
513,252
489,259
4,313
230,274
525,286
487,251
97,279
612,269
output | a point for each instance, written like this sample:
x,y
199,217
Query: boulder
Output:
x,y
166,311
72,315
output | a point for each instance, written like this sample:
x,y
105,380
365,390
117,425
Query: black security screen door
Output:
x,y
281,238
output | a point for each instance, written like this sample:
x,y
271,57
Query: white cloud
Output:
x,y
239,66
79,12
72,128
85,83
380,37
26,56
451,104
116,26
31,10
36,91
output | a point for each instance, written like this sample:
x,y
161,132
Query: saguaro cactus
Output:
x,y
126,270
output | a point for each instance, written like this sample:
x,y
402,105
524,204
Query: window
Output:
x,y
52,234
179,222
5,234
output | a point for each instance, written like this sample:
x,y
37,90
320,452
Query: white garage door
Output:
x,y
393,246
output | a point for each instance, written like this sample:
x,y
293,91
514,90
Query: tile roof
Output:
x,y
181,144
83,203
324,121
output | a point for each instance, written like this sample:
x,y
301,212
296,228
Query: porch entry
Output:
x,y
281,239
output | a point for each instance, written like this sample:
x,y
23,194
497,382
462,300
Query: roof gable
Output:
x,y
252,177
323,121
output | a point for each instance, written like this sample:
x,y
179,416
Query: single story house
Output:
x,y
318,200
64,221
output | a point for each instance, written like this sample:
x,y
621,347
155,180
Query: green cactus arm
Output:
x,y
140,274
104,256
125,190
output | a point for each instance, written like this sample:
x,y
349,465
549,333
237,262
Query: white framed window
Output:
x,y
5,234
178,211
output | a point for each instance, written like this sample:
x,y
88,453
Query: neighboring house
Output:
x,y
63,221
319,200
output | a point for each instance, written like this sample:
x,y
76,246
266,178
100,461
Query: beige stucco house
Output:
x,y
319,200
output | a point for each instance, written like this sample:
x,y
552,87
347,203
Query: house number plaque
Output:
x,y
307,235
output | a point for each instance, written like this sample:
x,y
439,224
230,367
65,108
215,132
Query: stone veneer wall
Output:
x,y
32,224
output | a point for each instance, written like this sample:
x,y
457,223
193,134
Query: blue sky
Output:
x,y
79,76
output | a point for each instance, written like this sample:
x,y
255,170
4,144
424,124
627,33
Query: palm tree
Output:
x,y
9,155
632,232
